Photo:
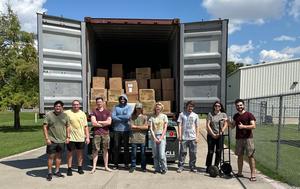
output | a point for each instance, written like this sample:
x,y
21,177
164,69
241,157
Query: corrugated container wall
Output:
x,y
265,80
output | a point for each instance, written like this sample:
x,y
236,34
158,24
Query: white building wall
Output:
x,y
233,86
269,79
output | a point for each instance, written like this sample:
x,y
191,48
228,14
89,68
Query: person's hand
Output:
x,y
215,136
157,141
197,140
87,140
68,140
241,126
179,138
48,141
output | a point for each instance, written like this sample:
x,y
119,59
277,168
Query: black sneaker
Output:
x,y
80,171
163,172
49,177
193,170
144,170
58,174
69,172
132,169
180,169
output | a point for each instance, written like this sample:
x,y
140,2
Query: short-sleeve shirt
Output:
x,y
78,122
216,122
189,122
245,119
138,137
158,122
101,116
57,124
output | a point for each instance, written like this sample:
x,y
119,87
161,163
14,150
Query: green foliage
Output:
x,y
232,67
18,65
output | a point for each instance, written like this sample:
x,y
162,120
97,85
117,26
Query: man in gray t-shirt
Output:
x,y
188,131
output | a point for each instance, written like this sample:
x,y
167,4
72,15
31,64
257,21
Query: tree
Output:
x,y
232,67
18,66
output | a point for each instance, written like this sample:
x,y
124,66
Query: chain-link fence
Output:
x,y
277,134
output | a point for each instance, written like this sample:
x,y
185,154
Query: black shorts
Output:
x,y
55,148
75,145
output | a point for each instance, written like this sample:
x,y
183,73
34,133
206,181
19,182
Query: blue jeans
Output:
x,y
133,155
159,155
192,146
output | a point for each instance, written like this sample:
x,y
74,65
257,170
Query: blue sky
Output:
x,y
260,30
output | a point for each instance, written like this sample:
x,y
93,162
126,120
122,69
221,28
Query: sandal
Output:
x,y
238,175
252,179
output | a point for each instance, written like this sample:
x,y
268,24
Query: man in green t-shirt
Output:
x,y
57,133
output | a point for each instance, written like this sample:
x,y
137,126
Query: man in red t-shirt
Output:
x,y
244,122
101,120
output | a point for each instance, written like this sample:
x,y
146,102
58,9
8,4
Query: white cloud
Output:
x,y
285,38
292,50
294,7
26,11
245,12
235,53
273,55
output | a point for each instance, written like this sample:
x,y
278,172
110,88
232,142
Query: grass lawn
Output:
x,y
13,141
265,138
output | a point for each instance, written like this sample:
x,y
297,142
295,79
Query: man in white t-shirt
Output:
x,y
188,130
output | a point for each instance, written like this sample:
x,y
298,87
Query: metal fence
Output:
x,y
277,134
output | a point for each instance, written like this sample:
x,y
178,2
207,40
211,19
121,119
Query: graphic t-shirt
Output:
x,y
157,122
216,121
189,122
78,122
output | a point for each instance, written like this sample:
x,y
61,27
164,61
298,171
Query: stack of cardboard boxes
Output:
x,y
142,85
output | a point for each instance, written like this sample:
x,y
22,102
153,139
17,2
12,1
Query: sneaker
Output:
x,y
58,174
132,169
194,170
144,170
49,177
180,169
80,171
69,172
163,172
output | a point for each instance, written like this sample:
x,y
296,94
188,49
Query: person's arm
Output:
x,y
152,131
107,122
145,126
68,130
208,128
114,115
165,129
179,121
86,130
94,122
225,119
126,117
197,125
45,129
251,126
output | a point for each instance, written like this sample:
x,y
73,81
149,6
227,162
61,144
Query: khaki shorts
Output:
x,y
101,140
245,144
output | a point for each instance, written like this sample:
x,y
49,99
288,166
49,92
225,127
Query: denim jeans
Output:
x,y
133,155
192,146
212,143
159,155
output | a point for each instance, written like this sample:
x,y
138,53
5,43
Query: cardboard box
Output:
x,y
98,82
146,94
167,106
102,72
142,83
131,87
148,106
168,95
165,73
133,98
143,73
167,83
114,94
110,105
115,83
117,70
158,94
95,92
92,106
155,83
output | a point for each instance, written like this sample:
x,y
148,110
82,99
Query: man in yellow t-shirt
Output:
x,y
78,137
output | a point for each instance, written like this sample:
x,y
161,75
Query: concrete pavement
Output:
x,y
28,170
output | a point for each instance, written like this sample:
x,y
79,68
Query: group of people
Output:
x,y
130,128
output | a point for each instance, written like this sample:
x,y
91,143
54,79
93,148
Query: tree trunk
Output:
x,y
17,109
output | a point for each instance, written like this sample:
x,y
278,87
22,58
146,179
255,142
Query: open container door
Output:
x,y
62,61
203,63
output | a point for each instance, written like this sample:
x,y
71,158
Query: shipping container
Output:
x,y
71,51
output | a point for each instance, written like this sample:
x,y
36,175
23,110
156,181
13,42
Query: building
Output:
x,y
262,84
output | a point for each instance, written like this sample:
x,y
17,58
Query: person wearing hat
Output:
x,y
139,127
158,126
120,117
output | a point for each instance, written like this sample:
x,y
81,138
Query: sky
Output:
x,y
259,30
